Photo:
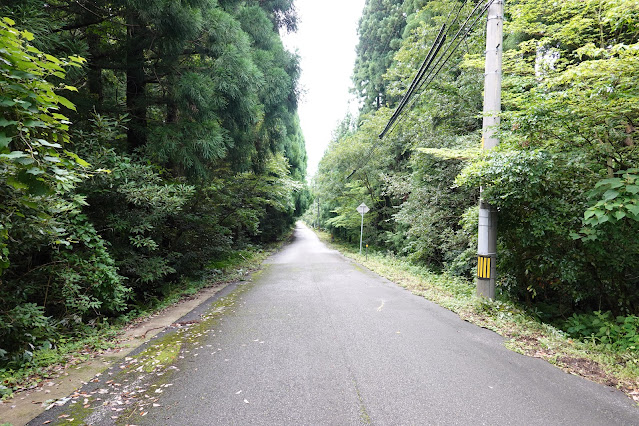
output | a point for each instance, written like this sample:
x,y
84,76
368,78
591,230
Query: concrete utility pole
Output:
x,y
318,213
487,237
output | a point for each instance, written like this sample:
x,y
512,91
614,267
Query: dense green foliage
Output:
x,y
620,333
380,35
406,179
568,137
165,139
564,178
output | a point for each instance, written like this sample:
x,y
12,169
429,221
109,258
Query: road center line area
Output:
x,y
315,339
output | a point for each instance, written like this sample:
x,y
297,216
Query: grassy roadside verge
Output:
x,y
52,362
523,332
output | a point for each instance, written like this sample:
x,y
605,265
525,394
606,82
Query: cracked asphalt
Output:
x,y
315,339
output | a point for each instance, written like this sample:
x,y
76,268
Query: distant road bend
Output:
x,y
316,339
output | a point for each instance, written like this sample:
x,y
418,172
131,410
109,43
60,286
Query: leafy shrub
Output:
x,y
33,133
616,333
21,328
55,269
615,199
136,209
90,229
541,196
430,229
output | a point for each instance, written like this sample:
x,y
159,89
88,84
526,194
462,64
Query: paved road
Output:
x,y
318,340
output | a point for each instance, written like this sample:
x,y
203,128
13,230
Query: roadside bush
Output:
x,y
429,227
55,271
615,333
22,328
541,196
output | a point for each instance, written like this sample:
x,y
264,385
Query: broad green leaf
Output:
x,y
4,140
6,123
613,182
48,144
34,123
633,189
30,204
634,209
77,59
16,183
27,35
14,154
610,194
78,160
6,102
36,171
620,214
51,58
65,102
25,161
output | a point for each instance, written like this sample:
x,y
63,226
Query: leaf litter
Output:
x,y
130,387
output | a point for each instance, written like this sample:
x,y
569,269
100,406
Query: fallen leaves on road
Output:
x,y
132,386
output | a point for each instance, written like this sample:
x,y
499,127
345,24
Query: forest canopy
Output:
x,y
140,142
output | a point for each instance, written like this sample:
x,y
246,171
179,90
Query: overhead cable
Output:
x,y
419,81
432,53
439,64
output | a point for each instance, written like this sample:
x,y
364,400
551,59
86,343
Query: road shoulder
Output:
x,y
27,405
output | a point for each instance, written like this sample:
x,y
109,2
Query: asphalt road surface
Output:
x,y
316,339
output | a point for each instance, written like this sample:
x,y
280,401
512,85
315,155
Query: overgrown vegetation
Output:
x,y
141,144
564,178
49,360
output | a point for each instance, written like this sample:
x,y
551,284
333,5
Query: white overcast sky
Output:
x,y
325,40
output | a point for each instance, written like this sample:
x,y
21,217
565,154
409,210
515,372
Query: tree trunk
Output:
x,y
630,129
135,82
94,75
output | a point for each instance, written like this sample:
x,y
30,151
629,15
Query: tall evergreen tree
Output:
x,y
381,29
187,113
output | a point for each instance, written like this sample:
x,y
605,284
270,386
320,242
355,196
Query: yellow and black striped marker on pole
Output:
x,y
483,267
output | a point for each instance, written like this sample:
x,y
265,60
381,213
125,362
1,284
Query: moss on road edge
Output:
x,y
56,382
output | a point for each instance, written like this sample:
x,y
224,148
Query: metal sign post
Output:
x,y
362,209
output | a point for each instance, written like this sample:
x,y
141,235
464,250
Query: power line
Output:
x,y
431,76
419,81
432,53
468,30
439,64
